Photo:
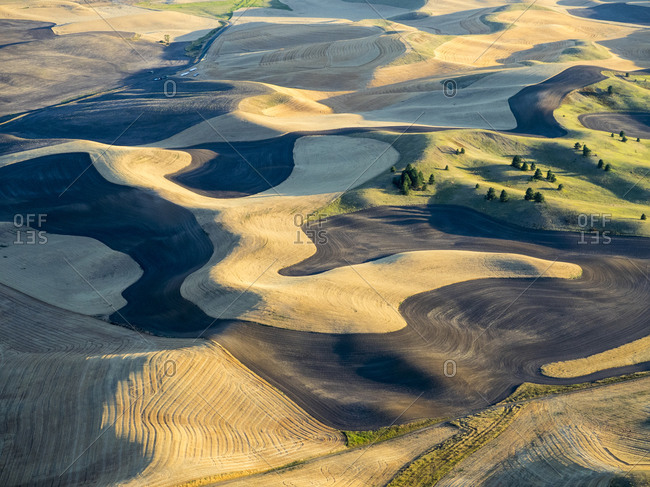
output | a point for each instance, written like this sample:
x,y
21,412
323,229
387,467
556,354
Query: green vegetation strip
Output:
x,y
360,438
528,390
219,10
474,432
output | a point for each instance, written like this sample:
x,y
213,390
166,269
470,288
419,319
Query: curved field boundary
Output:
x,y
533,106
615,12
163,238
635,124
498,332
238,169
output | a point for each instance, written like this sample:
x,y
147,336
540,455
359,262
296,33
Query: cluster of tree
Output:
x,y
411,179
623,137
518,163
492,195
460,151
603,166
537,197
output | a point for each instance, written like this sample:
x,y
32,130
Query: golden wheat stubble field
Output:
x,y
179,319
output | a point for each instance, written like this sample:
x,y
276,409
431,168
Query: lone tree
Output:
x,y
621,133
524,167
516,162
533,166
638,139
612,135
601,163
577,146
538,174
432,179
447,167
539,197
643,217
491,194
624,139
529,194
560,187
477,186
462,150
610,90
608,167
586,151
504,196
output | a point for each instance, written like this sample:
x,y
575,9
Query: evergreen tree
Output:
x,y
447,167
524,167
608,167
560,187
643,217
577,146
491,194
529,194
601,163
638,139
610,90
538,174
462,150
539,197
624,139
612,135
504,196
533,166
586,151
516,162
477,186
621,133
432,179
393,169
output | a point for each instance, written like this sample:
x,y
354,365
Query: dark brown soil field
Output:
x,y
73,65
616,12
533,106
498,331
237,169
634,124
138,115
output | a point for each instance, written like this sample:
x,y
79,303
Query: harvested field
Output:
x,y
466,322
633,124
594,437
372,465
234,170
77,200
86,403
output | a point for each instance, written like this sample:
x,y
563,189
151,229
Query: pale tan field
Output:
x,y
375,464
363,298
90,276
85,402
584,438
635,352
134,408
